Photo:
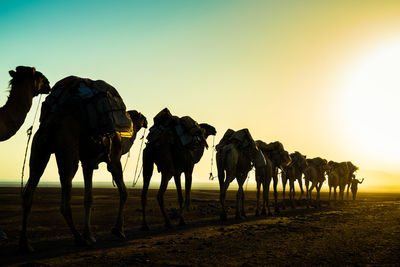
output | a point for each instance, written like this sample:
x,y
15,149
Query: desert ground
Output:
x,y
361,232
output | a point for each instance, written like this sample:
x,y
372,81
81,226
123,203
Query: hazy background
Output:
x,y
321,77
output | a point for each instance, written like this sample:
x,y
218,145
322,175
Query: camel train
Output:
x,y
84,120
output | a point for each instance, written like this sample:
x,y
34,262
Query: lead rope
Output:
x,y
135,179
29,133
211,177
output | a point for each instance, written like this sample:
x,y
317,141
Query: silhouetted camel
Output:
x,y
315,173
343,173
235,161
334,175
172,159
294,171
279,158
65,133
25,84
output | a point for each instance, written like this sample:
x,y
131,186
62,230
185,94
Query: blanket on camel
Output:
x,y
101,107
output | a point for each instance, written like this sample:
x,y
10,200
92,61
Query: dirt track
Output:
x,y
362,232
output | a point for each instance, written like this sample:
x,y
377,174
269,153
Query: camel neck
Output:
x,y
13,113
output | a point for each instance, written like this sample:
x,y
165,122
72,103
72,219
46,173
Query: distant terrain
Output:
x,y
361,232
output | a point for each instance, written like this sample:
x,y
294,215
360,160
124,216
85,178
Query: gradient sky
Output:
x,y
319,76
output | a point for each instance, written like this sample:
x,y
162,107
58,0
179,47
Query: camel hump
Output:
x,y
101,107
242,138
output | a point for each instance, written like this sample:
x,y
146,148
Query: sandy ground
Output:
x,y
361,232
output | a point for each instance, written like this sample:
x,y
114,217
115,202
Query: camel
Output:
x,y
25,84
344,172
172,159
65,133
294,171
235,158
354,186
278,159
315,173
333,178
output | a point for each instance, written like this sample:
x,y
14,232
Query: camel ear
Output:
x,y
33,70
12,73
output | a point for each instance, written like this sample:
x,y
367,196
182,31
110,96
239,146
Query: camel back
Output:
x,y
241,138
184,132
100,104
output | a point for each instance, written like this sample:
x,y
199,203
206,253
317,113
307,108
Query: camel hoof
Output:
x,y
168,225
263,212
223,217
144,227
79,241
238,217
182,222
25,247
269,214
118,233
277,211
89,239
257,214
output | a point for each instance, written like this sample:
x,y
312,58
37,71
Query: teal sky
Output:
x,y
280,68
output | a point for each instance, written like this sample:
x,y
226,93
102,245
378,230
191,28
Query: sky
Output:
x,y
318,76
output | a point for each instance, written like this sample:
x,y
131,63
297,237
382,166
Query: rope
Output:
x,y
135,179
211,177
29,134
126,161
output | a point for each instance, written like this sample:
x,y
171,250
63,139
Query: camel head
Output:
x,y
299,160
352,168
138,118
40,84
208,129
285,159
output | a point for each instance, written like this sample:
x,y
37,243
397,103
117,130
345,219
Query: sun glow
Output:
x,y
371,99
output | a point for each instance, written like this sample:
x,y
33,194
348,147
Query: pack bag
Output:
x,y
100,104
187,130
242,138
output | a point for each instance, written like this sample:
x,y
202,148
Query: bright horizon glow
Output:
x,y
371,97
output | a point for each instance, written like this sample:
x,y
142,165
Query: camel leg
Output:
x,y
319,185
334,193
291,193
88,200
38,163
242,209
329,198
188,187
284,181
347,196
116,170
301,188
266,195
67,162
222,196
276,192
177,178
238,199
258,198
310,194
306,183
341,191
148,167
160,197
